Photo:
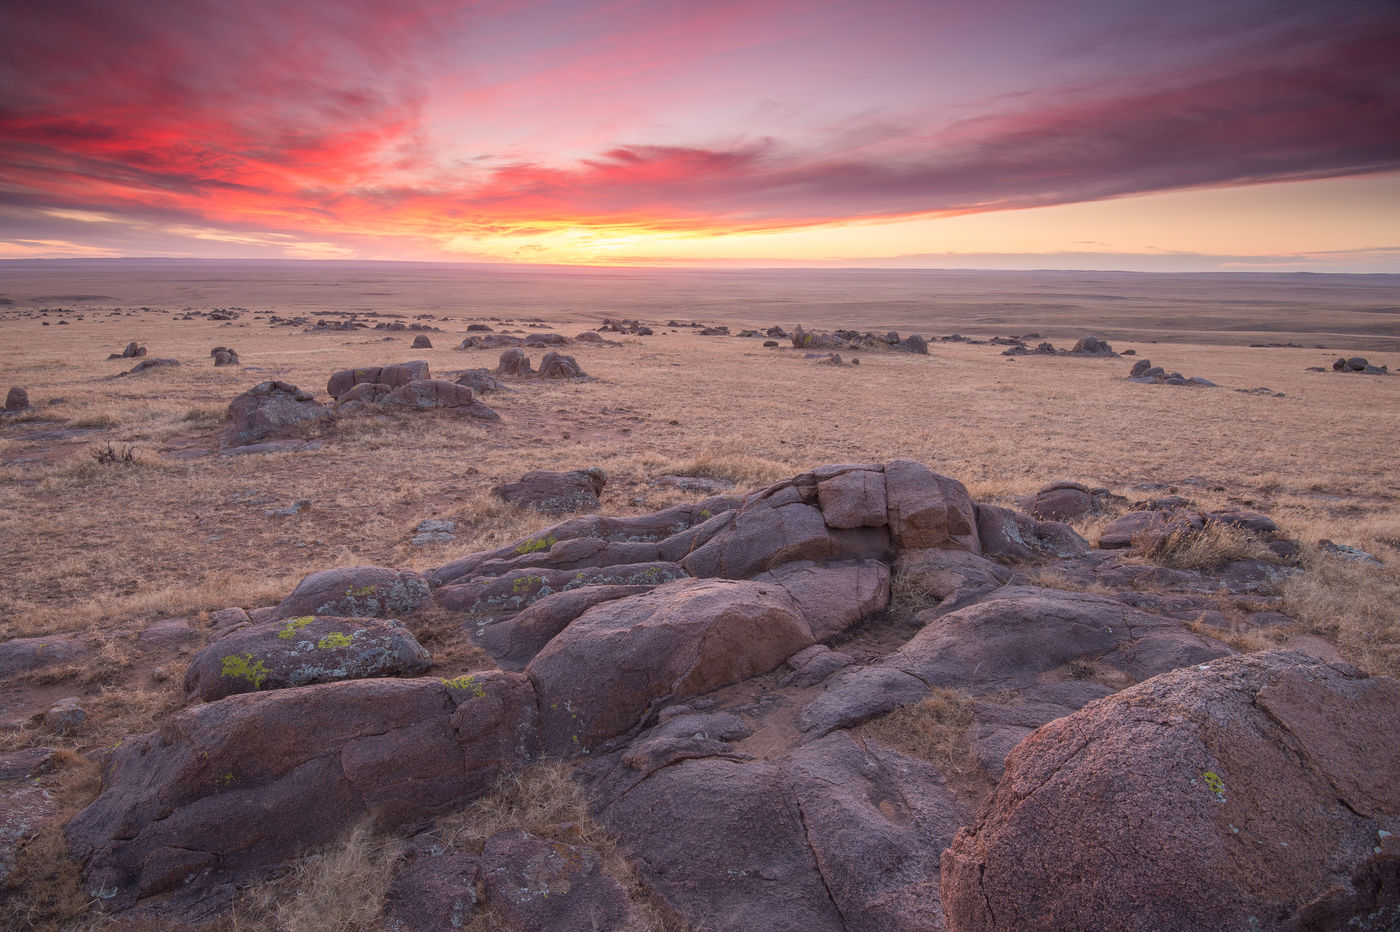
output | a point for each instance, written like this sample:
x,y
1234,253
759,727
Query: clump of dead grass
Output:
x,y
911,593
1355,605
933,729
340,888
1205,550
544,801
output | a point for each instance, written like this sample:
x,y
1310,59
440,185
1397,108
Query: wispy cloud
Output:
x,y
323,120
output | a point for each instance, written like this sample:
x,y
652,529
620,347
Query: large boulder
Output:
x,y
514,640
559,366
514,363
1063,500
393,376
228,790
928,510
302,651
1017,537
1017,637
273,409
833,597
1256,792
1023,633
430,393
855,498
357,592
608,670
555,492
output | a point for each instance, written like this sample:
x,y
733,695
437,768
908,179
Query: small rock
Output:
x,y
295,508
65,715
422,342
17,399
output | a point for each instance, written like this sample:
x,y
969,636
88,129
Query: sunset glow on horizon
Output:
x,y
1240,134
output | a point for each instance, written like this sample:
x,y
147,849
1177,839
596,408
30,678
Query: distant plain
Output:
x,y
183,530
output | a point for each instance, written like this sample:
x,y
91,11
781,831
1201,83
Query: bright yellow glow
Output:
x,y
1282,219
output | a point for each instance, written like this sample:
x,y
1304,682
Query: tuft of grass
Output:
x,y
934,729
1354,605
544,801
338,889
911,593
1206,550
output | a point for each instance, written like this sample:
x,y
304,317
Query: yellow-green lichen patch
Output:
x,y
536,544
1214,784
334,639
467,684
362,591
293,625
523,584
245,668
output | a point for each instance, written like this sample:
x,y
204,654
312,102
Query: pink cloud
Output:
x,y
317,117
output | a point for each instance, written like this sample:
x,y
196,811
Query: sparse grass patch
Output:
x,y
46,888
544,801
338,889
1355,605
934,729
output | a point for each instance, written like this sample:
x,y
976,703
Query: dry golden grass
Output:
x,y
1355,605
1206,550
934,729
338,889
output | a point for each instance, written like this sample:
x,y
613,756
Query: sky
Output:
x,y
1252,135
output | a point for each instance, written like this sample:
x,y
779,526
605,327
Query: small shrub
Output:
x,y
108,455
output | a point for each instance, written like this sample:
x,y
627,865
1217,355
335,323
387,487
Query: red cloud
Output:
x,y
313,120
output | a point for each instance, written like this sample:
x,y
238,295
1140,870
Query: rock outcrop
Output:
x,y
713,674
273,410
1253,792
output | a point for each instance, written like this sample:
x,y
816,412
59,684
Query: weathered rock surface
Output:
x,y
559,366
540,885
301,651
422,342
273,409
514,641
227,790
518,589
1016,536
23,655
431,393
833,597
357,592
393,376
604,673
841,835
17,399
556,492
1255,792
514,363
928,510
27,806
